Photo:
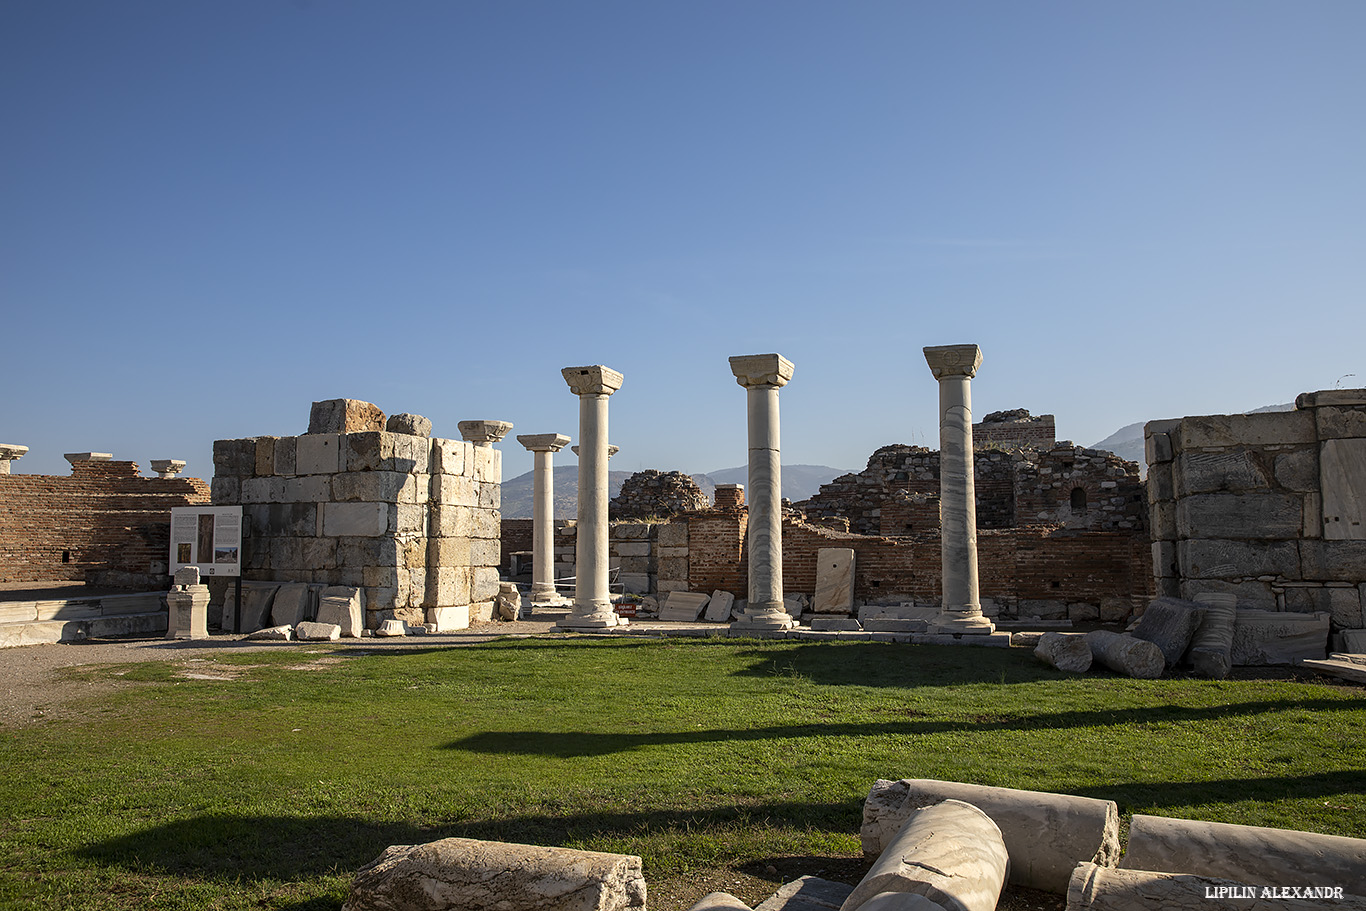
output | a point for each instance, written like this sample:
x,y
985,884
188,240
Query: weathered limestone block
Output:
x,y
1263,515
318,454
719,607
412,424
450,456
369,520
1096,888
1263,637
372,486
234,458
807,893
1126,655
509,601
1212,472
494,876
1218,559
1342,467
1211,651
674,534
292,605
273,634
448,619
257,600
1249,854
317,632
484,583
1170,624
1047,835
343,606
951,853
683,606
1064,651
834,581
1230,431
1334,561
344,416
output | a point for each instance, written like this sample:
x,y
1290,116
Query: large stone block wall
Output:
x,y
1270,507
104,524
633,553
414,521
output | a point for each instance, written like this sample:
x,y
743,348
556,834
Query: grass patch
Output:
x,y
263,780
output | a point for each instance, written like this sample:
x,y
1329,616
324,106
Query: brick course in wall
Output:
x,y
105,524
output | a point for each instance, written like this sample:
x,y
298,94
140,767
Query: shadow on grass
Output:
x,y
285,848
572,744
1164,795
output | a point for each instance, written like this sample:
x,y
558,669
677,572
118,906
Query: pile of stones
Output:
x,y
657,494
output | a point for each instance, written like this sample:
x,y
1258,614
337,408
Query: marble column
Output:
x,y
544,445
592,599
10,452
961,610
763,375
168,468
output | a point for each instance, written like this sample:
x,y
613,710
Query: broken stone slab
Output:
x,y
1250,854
834,581
719,901
1170,624
272,634
391,628
1095,888
292,605
344,606
496,876
834,623
683,607
951,853
1126,655
1337,666
1064,651
796,604
807,893
312,631
719,607
411,424
1263,637
1211,651
1046,834
344,416
509,601
257,600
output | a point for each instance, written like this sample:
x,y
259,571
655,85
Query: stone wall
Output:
x,y
1016,429
633,554
898,493
657,494
1270,507
412,520
104,524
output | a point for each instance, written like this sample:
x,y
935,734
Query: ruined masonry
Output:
x,y
358,501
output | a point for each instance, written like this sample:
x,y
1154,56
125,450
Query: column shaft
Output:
x,y
957,497
543,528
591,594
765,502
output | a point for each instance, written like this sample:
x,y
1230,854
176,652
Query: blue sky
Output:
x,y
212,214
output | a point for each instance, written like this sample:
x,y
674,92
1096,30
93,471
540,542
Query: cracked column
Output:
x,y
763,375
544,445
961,610
592,599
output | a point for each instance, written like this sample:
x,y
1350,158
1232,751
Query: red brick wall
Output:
x,y
111,524
516,536
716,552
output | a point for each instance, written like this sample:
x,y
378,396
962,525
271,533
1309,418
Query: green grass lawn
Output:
x,y
269,790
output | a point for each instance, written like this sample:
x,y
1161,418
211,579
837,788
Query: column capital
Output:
x,y
761,370
484,433
611,450
168,468
953,360
11,451
74,457
543,442
592,380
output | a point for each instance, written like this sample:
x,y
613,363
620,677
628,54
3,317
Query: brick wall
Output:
x,y
104,524
1015,430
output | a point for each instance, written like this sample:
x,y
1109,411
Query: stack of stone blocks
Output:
x,y
1268,507
377,505
632,555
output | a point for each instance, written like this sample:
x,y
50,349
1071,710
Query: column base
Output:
x,y
962,624
764,618
596,620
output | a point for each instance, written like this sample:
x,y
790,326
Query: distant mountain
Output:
x,y
799,483
1127,441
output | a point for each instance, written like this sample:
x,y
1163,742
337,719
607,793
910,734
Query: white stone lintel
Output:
x,y
543,442
74,457
953,360
761,370
594,379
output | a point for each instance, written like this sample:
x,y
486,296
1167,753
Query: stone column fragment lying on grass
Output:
x,y
494,876
1245,853
900,901
1064,651
1170,624
1095,888
719,901
1046,834
1126,655
951,853
1211,651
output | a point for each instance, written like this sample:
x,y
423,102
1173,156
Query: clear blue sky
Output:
x,y
212,214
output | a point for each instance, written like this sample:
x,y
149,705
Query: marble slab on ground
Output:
x,y
898,612
720,606
834,622
683,607
834,581
1338,666
1263,637
807,893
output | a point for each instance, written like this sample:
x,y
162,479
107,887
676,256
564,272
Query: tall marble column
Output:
x,y
592,599
763,375
961,610
544,445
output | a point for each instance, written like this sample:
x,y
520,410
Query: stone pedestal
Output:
x,y
763,375
592,600
9,452
544,445
187,606
168,468
954,366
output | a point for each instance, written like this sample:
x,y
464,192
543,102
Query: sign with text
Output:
x,y
209,537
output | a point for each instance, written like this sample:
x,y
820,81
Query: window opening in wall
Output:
x,y
1078,499
66,556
